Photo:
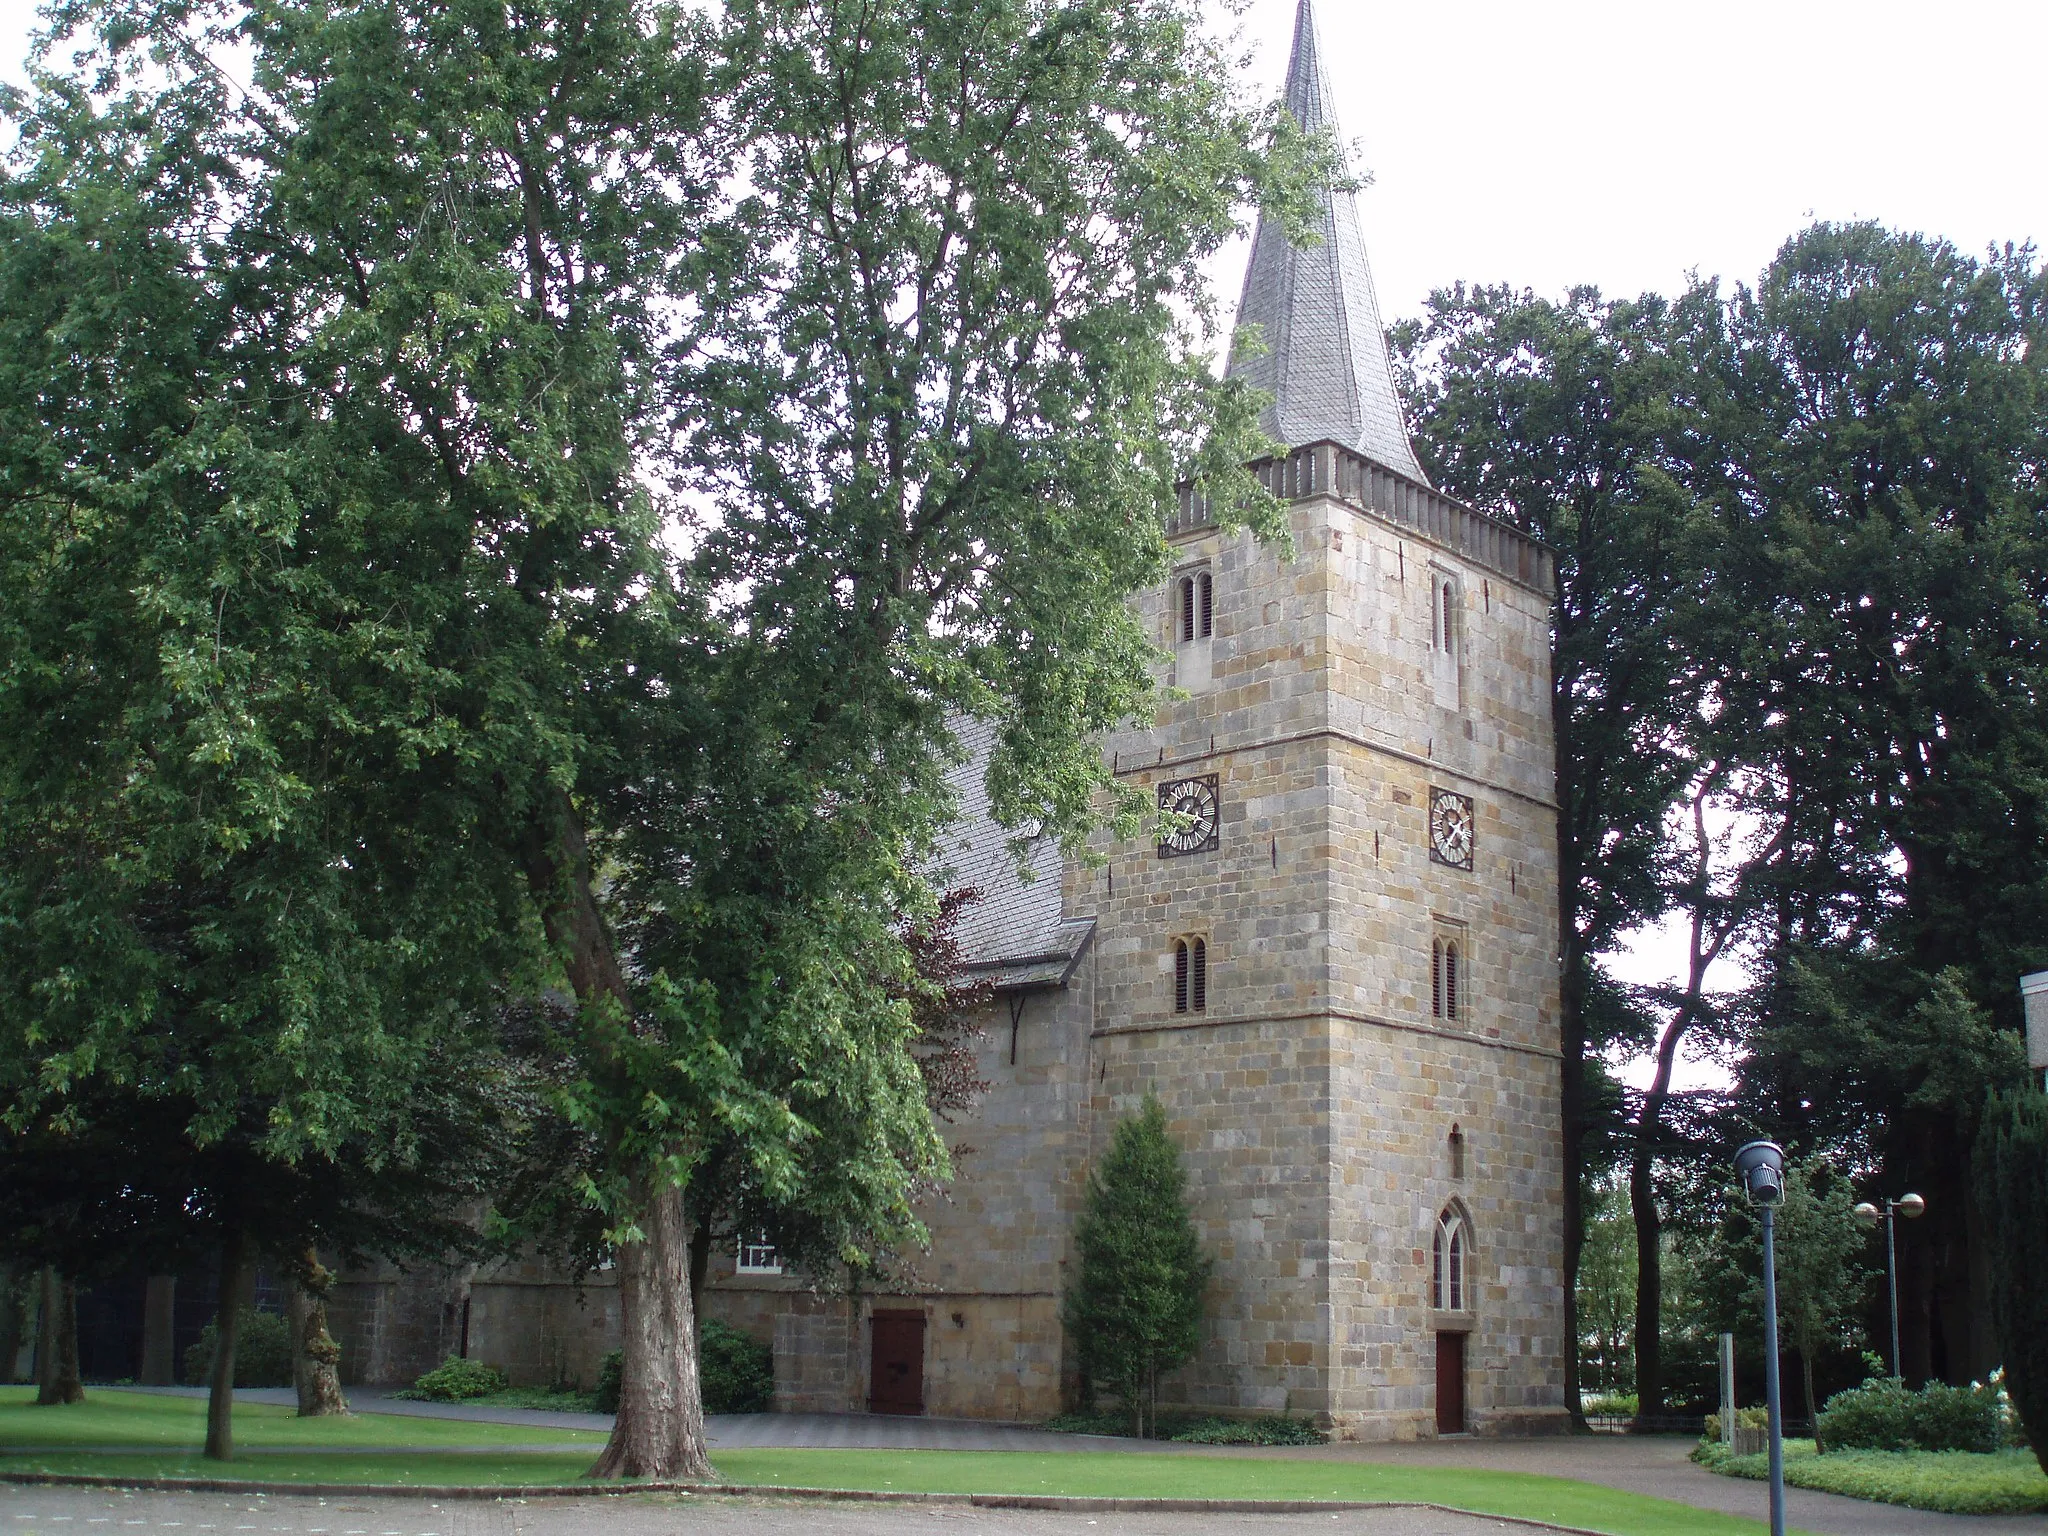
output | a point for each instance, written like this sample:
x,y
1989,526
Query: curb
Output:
x,y
1067,1503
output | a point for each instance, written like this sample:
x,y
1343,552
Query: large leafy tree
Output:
x,y
1894,550
606,445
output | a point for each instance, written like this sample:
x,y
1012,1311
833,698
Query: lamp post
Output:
x,y
1762,1166
1868,1215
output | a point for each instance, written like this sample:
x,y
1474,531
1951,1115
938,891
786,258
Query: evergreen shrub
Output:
x,y
738,1370
735,1371
1885,1415
263,1352
1135,1307
456,1380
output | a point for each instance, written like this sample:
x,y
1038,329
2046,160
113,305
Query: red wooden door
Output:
x,y
896,1373
1450,1383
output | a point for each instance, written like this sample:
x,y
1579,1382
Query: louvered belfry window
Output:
x,y
1197,604
1190,976
1443,979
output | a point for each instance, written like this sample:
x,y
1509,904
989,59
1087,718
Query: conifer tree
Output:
x,y
2011,1186
1136,1309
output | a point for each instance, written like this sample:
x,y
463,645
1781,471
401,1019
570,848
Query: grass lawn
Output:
x,y
134,1434
1952,1482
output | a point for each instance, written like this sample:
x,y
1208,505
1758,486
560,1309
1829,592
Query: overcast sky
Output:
x,y
1624,143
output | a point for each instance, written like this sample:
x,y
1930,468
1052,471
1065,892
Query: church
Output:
x,y
1338,972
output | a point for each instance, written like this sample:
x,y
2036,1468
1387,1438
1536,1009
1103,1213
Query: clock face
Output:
x,y
1450,828
1196,800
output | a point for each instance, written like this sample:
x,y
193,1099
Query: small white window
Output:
x,y
1449,1291
758,1255
1190,976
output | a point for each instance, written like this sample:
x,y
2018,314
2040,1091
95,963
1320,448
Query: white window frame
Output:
x,y
1450,1261
755,1255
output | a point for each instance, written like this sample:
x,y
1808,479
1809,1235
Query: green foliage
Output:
x,y
1745,1418
1886,1415
1607,1291
2010,1169
458,1380
1135,1309
610,1373
1197,1428
263,1352
738,1370
1949,1482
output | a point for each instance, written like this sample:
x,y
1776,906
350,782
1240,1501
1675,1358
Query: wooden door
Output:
x,y
1450,1383
896,1371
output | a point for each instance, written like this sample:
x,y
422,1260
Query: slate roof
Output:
x,y
1325,359
1017,935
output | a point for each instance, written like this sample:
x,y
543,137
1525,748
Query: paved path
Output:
x,y
99,1512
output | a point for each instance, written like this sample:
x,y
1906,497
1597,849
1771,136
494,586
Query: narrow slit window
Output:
x,y
1207,606
1187,608
1450,981
1436,979
1457,1153
1180,976
1444,632
1198,976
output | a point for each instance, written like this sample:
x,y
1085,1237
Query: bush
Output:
x,y
263,1352
735,1371
456,1380
1617,1405
609,1374
1745,1418
1885,1416
738,1371
1952,1482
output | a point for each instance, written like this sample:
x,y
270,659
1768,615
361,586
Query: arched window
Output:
x,y
1447,596
1449,1289
1457,1153
1190,976
1187,609
1444,960
1450,979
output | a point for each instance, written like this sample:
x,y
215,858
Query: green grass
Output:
x,y
1950,1482
141,1421
138,1435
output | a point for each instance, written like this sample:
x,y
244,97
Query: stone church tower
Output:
x,y
1338,972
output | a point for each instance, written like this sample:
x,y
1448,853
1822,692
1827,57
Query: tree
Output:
x,y
2011,1189
1893,397
633,435
1135,1308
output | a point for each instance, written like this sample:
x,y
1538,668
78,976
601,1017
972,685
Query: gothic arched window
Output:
x,y
1443,978
1449,1288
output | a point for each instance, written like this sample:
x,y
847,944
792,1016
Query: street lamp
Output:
x,y
1762,1166
1868,1215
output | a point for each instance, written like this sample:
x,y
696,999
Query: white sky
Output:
x,y
1625,144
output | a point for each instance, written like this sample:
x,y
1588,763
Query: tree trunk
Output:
x,y
10,1323
659,1431
1812,1413
1642,1200
316,1358
700,1265
227,1327
57,1380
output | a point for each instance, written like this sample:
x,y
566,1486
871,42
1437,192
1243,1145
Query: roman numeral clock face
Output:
x,y
1450,828
1197,801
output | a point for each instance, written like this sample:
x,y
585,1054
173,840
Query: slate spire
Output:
x,y
1325,359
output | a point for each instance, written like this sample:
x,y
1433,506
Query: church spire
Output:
x,y
1325,359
